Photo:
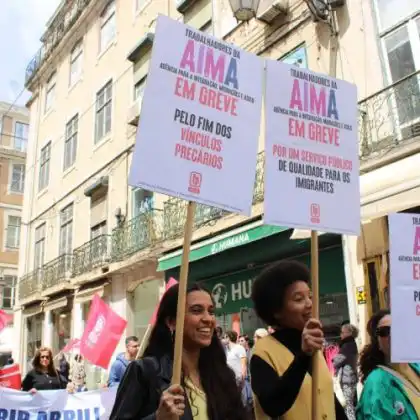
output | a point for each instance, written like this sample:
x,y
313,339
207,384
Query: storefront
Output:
x,y
228,264
34,330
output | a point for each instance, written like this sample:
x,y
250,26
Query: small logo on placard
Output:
x,y
195,182
315,213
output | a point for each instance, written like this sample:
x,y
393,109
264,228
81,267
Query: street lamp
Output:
x,y
244,10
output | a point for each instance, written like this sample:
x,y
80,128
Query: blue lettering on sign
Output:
x,y
80,414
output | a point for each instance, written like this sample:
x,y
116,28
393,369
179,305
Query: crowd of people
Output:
x,y
231,377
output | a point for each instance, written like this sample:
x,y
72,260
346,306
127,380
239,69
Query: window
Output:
x,y
139,89
50,93
103,111
142,201
7,291
39,246
17,182
21,136
392,12
66,230
70,143
13,232
98,230
44,167
76,57
297,57
108,26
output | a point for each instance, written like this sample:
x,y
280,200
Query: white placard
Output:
x,y
57,404
311,147
404,255
200,119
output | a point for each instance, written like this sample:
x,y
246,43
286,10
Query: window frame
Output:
x,y
109,12
50,90
44,167
75,55
71,137
12,287
66,219
142,83
17,233
13,165
39,243
23,140
107,90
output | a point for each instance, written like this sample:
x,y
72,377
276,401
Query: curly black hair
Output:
x,y
269,288
217,379
371,355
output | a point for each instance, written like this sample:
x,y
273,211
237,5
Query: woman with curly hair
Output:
x,y
391,390
208,389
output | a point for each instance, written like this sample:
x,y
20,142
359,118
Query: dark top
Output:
x,y
64,368
345,362
43,381
277,394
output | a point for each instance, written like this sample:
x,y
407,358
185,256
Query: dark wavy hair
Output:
x,y
217,379
36,362
371,356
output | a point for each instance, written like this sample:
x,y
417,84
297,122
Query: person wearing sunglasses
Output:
x,y
391,390
44,376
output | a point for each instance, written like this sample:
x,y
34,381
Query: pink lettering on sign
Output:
x,y
416,246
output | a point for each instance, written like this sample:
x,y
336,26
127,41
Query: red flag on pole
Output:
x,y
72,345
171,282
5,318
10,377
102,333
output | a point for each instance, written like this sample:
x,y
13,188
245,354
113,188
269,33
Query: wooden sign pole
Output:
x,y
183,280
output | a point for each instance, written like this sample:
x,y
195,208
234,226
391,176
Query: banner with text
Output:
x,y
200,119
312,159
44,405
404,256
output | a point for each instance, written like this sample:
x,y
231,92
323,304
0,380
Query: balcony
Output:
x,y
57,273
60,24
390,117
30,285
137,234
91,255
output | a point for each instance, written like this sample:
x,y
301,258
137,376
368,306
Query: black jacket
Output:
x,y
43,381
346,361
140,390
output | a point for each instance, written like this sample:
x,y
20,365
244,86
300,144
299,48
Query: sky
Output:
x,y
22,23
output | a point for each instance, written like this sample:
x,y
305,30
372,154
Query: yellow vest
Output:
x,y
279,358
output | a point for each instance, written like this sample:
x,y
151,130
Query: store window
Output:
x,y
62,328
34,337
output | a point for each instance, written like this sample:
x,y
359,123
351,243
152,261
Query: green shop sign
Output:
x,y
237,237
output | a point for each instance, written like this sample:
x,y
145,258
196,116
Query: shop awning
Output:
x,y
232,239
54,304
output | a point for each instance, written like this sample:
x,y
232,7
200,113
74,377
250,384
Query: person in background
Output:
x,y
10,361
77,375
43,376
120,365
236,357
64,367
208,389
281,366
345,365
391,391
219,332
247,396
260,333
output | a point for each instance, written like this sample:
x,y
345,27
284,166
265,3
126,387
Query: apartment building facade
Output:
x,y
87,231
14,124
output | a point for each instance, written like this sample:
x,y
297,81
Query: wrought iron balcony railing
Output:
x,y
60,25
30,284
57,271
390,116
138,233
91,255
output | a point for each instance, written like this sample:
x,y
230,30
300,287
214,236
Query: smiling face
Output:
x,y
45,359
200,320
297,306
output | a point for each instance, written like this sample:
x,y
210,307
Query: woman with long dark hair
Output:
x,y
44,376
208,390
391,391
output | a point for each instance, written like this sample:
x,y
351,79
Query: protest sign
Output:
x,y
55,405
404,255
10,376
200,119
102,333
312,159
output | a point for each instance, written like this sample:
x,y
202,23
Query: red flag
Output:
x,y
10,377
72,345
171,282
102,333
5,318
